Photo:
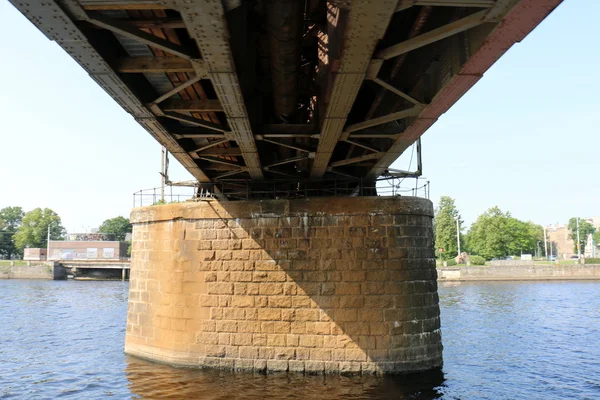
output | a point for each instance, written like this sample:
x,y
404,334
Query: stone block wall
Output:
x,y
319,285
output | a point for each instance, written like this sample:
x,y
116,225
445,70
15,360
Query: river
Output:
x,y
505,340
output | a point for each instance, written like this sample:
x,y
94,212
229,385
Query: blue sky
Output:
x,y
524,138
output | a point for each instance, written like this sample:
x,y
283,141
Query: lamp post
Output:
x,y
457,234
578,241
48,244
545,244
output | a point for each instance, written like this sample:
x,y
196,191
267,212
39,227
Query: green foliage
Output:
x,y
592,261
585,229
10,220
119,226
596,237
445,228
498,234
477,260
451,262
34,229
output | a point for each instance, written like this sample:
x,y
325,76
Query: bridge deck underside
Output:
x,y
302,93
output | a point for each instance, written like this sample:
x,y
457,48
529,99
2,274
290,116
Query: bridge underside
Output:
x,y
286,94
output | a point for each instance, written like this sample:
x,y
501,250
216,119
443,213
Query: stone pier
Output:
x,y
324,285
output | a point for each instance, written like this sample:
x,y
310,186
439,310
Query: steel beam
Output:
x,y
58,26
290,146
157,23
433,36
397,91
93,5
153,64
404,4
355,160
198,135
195,121
206,23
208,146
217,152
411,112
367,22
518,19
177,89
123,28
199,105
287,161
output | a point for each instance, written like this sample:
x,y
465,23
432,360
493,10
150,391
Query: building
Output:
x,y
88,246
559,243
34,254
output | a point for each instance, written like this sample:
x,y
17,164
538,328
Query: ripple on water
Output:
x,y
501,341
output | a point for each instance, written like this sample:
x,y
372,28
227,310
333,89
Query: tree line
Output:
x,y
496,234
20,230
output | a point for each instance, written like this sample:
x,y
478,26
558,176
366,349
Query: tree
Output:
x,y
496,234
488,234
33,231
119,226
585,229
445,228
10,220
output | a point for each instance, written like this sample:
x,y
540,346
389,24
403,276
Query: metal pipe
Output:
x,y
285,26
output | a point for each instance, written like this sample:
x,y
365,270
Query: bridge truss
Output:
x,y
302,93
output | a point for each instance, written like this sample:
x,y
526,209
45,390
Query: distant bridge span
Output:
x,y
247,93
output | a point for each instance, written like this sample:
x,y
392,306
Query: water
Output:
x,y
537,340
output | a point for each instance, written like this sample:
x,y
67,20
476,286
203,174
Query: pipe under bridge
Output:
x,y
296,94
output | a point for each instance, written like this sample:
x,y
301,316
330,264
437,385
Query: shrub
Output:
x,y
592,261
477,260
451,262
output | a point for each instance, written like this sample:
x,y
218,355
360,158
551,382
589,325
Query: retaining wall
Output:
x,y
49,270
522,272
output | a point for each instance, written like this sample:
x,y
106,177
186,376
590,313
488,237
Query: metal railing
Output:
x,y
284,189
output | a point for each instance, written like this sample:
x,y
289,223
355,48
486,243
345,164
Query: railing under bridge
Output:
x,y
246,190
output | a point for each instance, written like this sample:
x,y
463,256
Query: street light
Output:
x,y
457,234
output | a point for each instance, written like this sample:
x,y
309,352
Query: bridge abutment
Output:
x,y
323,285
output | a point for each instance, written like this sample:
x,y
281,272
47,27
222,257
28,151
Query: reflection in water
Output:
x,y
533,340
186,383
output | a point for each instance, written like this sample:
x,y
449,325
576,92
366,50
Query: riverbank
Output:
x,y
43,270
530,272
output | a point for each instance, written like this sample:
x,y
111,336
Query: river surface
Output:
x,y
535,340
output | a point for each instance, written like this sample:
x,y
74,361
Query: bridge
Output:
x,y
264,96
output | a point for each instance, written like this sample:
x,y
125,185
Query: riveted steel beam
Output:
x,y
195,121
433,36
360,39
290,146
145,65
58,26
404,4
518,19
127,30
411,112
177,89
208,146
217,152
198,135
397,91
199,105
207,24
355,160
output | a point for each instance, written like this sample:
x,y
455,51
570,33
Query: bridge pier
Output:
x,y
323,285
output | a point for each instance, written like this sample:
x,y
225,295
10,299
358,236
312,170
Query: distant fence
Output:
x,y
250,190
